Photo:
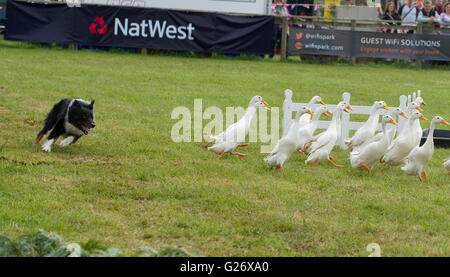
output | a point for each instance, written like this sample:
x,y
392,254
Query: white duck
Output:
x,y
231,140
419,101
417,129
338,123
403,144
447,165
306,118
287,145
409,110
390,129
367,131
306,132
367,156
321,148
419,157
239,130
413,106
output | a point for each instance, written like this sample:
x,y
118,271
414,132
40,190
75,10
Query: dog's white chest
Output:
x,y
71,129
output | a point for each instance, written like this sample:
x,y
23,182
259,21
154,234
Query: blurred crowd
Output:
x,y
293,7
395,12
410,13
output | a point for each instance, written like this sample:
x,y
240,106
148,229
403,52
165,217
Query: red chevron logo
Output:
x,y
98,26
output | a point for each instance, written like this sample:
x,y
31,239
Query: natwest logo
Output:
x,y
98,26
153,29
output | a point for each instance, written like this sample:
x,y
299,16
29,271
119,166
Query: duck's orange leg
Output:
x,y
381,169
239,154
424,174
221,154
242,145
365,167
331,162
306,148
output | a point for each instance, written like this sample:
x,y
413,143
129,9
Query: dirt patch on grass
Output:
x,y
4,110
31,122
83,160
2,158
91,160
59,181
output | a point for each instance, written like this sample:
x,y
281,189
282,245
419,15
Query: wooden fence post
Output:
x,y
285,28
353,28
73,46
143,51
419,30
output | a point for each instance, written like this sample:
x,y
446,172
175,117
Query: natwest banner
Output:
x,y
140,28
369,44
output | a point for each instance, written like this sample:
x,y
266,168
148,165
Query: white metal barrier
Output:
x,y
290,108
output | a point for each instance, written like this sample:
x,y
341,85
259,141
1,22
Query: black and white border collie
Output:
x,y
71,119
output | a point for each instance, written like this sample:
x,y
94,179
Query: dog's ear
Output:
x,y
92,103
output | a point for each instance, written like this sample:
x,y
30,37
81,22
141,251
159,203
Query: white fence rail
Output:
x,y
289,108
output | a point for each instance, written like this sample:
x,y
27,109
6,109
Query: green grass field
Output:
x,y
127,184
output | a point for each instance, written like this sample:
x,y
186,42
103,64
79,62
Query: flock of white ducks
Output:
x,y
366,147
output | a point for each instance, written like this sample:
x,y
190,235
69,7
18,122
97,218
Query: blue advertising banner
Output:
x,y
402,46
39,23
140,28
369,44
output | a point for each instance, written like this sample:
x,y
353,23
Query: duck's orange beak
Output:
x,y
345,110
350,108
445,122
423,117
386,108
419,109
423,102
328,111
393,122
325,113
404,115
265,103
267,108
321,102
310,112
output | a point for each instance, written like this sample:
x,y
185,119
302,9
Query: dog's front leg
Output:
x,y
76,138
47,146
67,141
54,134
